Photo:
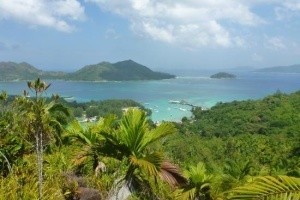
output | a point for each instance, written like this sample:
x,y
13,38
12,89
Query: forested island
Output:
x,y
127,70
223,75
281,69
238,150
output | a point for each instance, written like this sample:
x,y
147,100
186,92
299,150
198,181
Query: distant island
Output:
x,y
223,75
282,69
121,71
127,70
11,71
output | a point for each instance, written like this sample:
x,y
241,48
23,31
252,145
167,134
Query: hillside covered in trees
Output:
x,y
278,113
121,71
127,70
238,150
11,71
223,75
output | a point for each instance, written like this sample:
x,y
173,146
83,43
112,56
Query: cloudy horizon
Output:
x,y
165,34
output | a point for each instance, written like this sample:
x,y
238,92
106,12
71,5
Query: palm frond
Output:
x,y
112,146
237,169
105,124
150,163
269,187
74,127
83,134
133,128
159,132
170,173
57,107
81,156
198,175
185,194
198,185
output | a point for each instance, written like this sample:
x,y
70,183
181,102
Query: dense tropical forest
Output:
x,y
238,150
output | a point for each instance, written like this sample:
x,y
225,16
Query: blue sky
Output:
x,y
161,34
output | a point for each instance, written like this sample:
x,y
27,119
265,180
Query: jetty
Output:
x,y
182,102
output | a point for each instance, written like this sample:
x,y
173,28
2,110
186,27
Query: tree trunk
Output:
x,y
121,190
39,152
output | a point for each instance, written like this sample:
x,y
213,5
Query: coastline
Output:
x,y
203,92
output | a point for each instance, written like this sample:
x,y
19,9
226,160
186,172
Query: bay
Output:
x,y
195,88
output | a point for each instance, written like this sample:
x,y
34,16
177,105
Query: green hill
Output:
x,y
11,71
278,113
120,71
15,71
282,69
104,71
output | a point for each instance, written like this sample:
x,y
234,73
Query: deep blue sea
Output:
x,y
195,88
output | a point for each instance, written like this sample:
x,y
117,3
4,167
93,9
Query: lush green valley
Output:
x,y
238,150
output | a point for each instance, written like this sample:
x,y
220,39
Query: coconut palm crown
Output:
x,y
132,142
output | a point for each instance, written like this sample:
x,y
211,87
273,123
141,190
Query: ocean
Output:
x,y
196,89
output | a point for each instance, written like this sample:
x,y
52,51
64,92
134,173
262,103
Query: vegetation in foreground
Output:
x,y
238,150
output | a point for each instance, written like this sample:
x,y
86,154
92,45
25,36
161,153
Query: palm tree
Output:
x,y
41,122
235,173
198,186
131,142
88,135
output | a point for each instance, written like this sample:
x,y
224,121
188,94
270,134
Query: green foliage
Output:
x,y
274,114
24,71
198,186
92,112
120,71
12,143
268,187
78,112
233,144
107,107
223,75
132,142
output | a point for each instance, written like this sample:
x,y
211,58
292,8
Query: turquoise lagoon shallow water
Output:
x,y
198,90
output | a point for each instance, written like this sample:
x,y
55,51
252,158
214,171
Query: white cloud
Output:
x,y
54,14
288,9
156,32
191,23
293,5
257,58
275,43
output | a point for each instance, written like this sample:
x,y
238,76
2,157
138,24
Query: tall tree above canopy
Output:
x,y
42,122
